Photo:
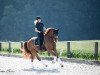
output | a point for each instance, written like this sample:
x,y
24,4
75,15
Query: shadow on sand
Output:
x,y
41,70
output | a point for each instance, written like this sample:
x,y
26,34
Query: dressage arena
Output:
x,y
20,66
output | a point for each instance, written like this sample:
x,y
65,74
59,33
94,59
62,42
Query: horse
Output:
x,y
30,50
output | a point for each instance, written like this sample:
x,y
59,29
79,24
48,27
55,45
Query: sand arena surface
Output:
x,y
20,66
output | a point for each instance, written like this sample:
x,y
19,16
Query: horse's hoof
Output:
x,y
53,62
46,65
62,65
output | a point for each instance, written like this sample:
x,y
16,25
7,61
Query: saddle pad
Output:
x,y
35,40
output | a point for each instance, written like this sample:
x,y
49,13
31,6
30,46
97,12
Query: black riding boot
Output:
x,y
41,39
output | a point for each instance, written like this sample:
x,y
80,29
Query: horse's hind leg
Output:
x,y
40,60
33,53
32,59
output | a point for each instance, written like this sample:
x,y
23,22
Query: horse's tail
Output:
x,y
26,52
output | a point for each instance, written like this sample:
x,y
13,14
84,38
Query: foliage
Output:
x,y
81,49
77,19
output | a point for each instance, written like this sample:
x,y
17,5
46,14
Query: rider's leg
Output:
x,y
41,40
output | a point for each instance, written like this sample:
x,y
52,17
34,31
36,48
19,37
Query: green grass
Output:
x,y
14,45
79,49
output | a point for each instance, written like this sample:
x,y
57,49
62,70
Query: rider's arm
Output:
x,y
44,28
37,30
35,22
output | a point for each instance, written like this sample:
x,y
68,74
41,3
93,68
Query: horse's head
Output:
x,y
56,32
53,33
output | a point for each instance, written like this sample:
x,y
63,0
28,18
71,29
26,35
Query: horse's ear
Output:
x,y
57,29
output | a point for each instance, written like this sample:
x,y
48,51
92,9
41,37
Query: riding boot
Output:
x,y
40,48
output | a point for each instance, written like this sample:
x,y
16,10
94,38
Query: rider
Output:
x,y
39,28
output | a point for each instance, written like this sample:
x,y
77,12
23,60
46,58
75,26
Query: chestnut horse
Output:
x,y
50,38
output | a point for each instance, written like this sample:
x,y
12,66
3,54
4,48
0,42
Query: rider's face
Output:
x,y
39,20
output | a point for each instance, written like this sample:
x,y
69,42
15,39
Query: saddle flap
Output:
x,y
35,40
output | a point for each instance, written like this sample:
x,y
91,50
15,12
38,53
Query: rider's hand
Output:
x,y
39,31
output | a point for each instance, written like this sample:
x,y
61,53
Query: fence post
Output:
x,y
96,51
22,43
0,46
48,54
9,46
68,50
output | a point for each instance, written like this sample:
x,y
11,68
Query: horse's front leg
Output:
x,y
60,62
54,59
55,56
57,59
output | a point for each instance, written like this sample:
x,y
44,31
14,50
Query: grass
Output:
x,y
79,49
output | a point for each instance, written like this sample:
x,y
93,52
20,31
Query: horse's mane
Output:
x,y
47,31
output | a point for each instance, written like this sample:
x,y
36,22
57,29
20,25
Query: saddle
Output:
x,y
36,43
35,40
